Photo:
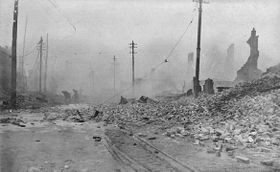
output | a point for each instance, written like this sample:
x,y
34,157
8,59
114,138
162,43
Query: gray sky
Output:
x,y
91,31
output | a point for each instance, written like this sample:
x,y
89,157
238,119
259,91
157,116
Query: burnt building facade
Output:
x,y
249,71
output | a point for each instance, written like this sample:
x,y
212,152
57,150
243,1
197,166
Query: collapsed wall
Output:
x,y
273,70
249,71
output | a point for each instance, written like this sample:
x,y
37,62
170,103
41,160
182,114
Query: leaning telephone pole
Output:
x,y
14,57
197,87
40,68
132,46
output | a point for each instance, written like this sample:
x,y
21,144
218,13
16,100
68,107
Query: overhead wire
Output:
x,y
36,61
61,13
180,38
40,5
178,41
153,70
29,53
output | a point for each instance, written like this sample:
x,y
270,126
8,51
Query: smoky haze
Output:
x,y
84,35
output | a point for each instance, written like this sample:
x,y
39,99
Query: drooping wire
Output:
x,y
36,62
60,12
179,40
153,70
29,53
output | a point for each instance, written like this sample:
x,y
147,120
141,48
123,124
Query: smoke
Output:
x,y
105,29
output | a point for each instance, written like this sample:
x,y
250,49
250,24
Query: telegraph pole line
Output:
x,y
132,46
14,57
40,68
46,65
115,60
197,87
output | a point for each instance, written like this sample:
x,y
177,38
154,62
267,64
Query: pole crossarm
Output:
x,y
132,46
202,1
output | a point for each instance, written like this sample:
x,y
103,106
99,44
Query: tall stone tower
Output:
x,y
249,71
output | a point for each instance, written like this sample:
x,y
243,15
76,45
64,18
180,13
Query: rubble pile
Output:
x,y
255,122
14,121
246,115
73,114
26,101
253,88
224,102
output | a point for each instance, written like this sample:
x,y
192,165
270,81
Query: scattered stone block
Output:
x,y
267,162
242,159
210,151
152,138
97,138
142,135
33,169
230,153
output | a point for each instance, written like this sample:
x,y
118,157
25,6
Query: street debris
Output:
x,y
14,121
243,159
96,138
267,162
123,101
246,115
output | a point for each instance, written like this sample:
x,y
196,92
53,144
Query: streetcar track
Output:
x,y
138,154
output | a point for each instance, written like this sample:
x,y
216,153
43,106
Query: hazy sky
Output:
x,y
88,33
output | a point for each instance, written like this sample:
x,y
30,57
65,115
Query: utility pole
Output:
x,y
197,87
46,65
115,59
132,46
14,58
40,68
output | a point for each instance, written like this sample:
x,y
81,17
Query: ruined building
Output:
x,y
229,73
190,73
190,58
5,69
190,70
208,86
249,71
